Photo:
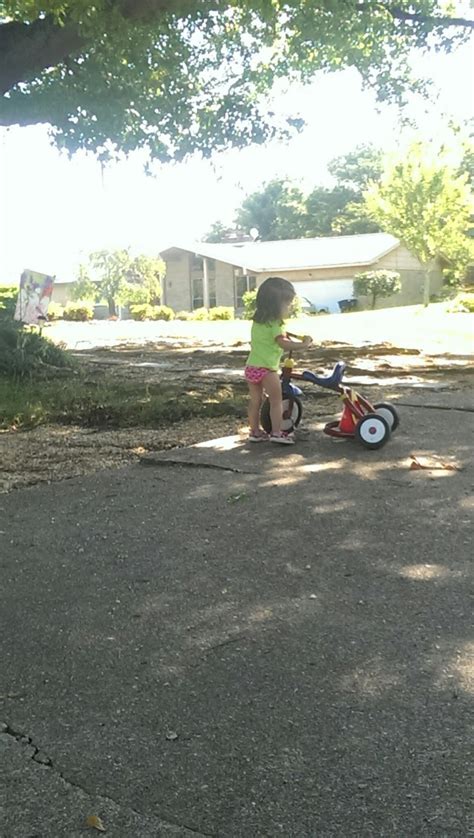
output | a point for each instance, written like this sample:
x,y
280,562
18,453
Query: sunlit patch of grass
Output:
x,y
113,404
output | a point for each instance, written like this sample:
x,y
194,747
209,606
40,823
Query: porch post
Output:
x,y
205,283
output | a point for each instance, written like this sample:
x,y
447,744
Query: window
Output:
x,y
198,292
242,284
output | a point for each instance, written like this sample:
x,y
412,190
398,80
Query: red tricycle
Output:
x,y
370,424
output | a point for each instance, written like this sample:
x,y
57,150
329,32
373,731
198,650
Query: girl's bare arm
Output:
x,y
292,345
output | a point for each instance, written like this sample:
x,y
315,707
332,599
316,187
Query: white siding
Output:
x,y
62,293
177,282
224,284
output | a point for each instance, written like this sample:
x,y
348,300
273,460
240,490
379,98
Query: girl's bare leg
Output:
x,y
256,394
272,387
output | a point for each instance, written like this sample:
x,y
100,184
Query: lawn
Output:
x,y
100,402
433,329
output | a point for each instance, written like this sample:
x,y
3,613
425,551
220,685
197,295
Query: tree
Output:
x,y
376,284
280,210
424,201
177,76
277,212
84,288
358,168
145,273
115,276
219,232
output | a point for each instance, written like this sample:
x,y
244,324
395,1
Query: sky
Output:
x,y
54,210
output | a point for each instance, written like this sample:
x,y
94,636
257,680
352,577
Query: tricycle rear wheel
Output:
x,y
289,422
390,413
372,431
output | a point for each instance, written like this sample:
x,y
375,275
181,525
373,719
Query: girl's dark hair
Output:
x,y
271,298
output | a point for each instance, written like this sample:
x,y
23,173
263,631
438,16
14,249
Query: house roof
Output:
x,y
298,254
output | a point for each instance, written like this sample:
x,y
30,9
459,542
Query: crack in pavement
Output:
x,y
145,461
46,762
436,407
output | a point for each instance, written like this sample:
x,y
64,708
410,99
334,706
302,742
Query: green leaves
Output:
x,y
423,200
376,284
280,210
192,76
119,278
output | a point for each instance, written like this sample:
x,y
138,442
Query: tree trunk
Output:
x,y
374,300
427,285
112,307
27,49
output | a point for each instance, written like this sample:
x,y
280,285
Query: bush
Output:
x,y
149,312
134,295
250,304
296,308
249,300
162,313
376,284
24,352
221,313
199,314
8,298
141,312
463,303
82,310
55,311
183,315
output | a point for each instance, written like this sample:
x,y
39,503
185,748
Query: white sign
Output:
x,y
34,297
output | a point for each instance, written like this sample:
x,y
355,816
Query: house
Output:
x,y
322,270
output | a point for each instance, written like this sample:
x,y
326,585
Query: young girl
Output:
x,y
268,342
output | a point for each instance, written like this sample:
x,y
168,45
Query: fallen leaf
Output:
x,y
171,735
93,822
235,498
417,464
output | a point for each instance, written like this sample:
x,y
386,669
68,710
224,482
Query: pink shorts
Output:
x,y
256,374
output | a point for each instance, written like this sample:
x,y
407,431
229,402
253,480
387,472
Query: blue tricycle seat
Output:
x,y
331,382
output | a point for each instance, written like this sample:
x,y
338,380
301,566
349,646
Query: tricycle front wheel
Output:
x,y
292,412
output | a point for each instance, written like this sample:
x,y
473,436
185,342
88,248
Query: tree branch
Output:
x,y
445,22
417,17
27,49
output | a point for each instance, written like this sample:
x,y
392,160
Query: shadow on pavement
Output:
x,y
245,641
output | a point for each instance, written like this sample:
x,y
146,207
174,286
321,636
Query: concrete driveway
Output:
x,y
234,641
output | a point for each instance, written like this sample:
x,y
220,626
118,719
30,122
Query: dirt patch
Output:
x,y
56,452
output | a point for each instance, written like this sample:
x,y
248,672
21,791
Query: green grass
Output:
x,y
27,404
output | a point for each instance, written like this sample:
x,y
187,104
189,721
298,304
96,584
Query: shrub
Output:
x,y
221,313
463,303
376,284
82,310
141,312
296,308
199,314
55,311
249,300
134,295
8,298
183,315
162,313
250,304
24,352
149,312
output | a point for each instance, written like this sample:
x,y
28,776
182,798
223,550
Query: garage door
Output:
x,y
325,293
